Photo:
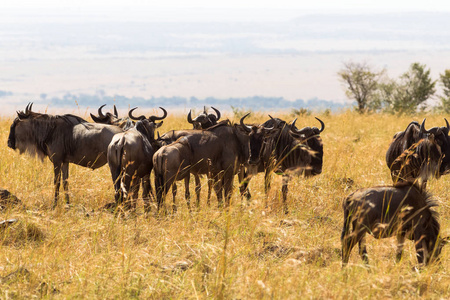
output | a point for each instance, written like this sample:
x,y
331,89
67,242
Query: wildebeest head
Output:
x,y
257,135
108,118
310,136
420,162
443,140
22,133
204,120
412,134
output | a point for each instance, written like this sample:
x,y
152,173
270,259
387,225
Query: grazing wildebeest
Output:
x,y
418,163
220,152
386,211
412,134
63,139
130,159
204,120
290,150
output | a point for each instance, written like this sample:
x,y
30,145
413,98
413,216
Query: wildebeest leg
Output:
x,y
267,177
243,183
363,249
174,196
57,182
146,192
198,188
421,250
284,191
228,186
187,193
65,177
400,243
134,193
218,188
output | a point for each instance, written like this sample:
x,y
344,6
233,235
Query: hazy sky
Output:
x,y
433,5
199,10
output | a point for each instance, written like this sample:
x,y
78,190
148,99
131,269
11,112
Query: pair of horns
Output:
x,y
100,113
292,126
142,117
189,116
249,128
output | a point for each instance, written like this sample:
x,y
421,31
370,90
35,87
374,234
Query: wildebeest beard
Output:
x,y
31,135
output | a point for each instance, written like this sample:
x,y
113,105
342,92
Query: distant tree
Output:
x,y
413,90
445,99
361,84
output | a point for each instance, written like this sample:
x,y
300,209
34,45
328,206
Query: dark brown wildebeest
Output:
x,y
204,120
130,159
63,139
418,163
220,152
289,150
413,133
386,211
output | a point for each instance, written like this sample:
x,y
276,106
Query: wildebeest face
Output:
x,y
443,140
257,137
21,137
311,138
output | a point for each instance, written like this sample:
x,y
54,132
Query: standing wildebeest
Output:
x,y
418,163
412,134
220,152
64,139
202,121
402,210
290,149
130,158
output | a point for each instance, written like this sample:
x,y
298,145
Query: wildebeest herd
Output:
x,y
220,150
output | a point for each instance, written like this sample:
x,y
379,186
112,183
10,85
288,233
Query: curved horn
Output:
x,y
217,112
189,117
100,111
448,126
96,119
130,114
155,118
247,128
422,127
28,108
321,123
115,112
204,110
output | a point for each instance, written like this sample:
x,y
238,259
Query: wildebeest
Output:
x,y
63,139
386,211
289,149
412,134
418,163
220,152
130,159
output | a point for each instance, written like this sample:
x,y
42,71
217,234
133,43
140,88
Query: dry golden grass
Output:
x,y
248,252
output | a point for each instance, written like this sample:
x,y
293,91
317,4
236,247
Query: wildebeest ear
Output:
x,y
22,115
159,124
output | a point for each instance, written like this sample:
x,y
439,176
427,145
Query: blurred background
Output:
x,y
258,54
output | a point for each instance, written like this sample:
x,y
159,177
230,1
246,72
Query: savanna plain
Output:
x,y
251,250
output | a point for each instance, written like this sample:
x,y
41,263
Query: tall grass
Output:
x,y
250,251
